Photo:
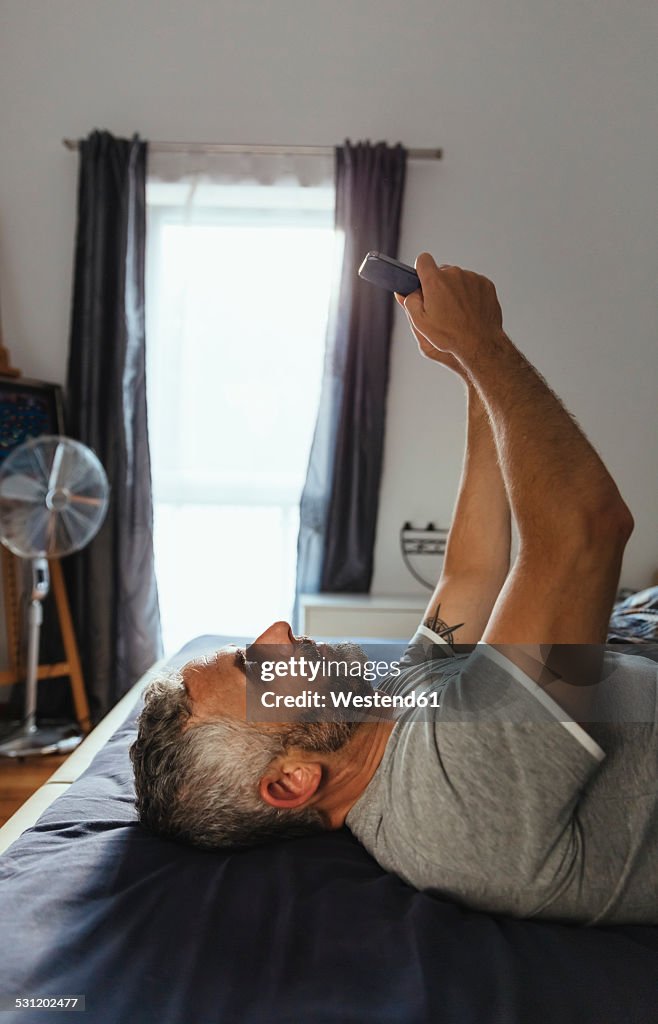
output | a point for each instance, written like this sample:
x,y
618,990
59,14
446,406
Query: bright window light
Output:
x,y
237,300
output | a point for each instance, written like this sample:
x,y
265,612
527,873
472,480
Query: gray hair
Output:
x,y
199,783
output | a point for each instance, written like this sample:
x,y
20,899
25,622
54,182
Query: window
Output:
x,y
237,300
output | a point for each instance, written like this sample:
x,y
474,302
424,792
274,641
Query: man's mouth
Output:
x,y
308,646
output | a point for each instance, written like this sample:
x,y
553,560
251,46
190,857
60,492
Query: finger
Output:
x,y
425,263
423,343
414,306
399,298
421,340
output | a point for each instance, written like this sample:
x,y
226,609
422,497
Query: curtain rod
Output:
x,y
262,150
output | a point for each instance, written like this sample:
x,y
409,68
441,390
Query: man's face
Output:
x,y
217,685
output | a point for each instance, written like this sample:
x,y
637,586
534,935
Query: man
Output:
x,y
497,796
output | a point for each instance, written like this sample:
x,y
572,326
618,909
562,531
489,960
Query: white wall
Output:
x,y
546,112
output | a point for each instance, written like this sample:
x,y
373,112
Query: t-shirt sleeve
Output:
x,y
427,660
489,688
497,774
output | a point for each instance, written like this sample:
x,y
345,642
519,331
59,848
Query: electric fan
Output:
x,y
53,499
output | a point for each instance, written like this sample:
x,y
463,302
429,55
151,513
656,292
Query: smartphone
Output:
x,y
389,273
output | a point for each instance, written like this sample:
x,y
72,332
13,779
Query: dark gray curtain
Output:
x,y
112,583
338,511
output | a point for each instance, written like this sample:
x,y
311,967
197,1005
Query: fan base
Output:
x,y
48,740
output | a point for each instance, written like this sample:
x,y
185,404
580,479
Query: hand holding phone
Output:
x,y
388,273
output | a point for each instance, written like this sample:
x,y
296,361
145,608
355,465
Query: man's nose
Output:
x,y
277,633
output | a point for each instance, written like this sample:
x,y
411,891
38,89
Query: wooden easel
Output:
x,y
71,667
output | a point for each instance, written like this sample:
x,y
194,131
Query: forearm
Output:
x,y
478,549
479,538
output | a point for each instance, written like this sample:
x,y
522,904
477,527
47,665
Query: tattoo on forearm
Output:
x,y
441,628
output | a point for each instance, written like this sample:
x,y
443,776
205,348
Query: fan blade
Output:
x,y
80,523
36,530
82,477
24,531
22,488
55,469
82,499
35,454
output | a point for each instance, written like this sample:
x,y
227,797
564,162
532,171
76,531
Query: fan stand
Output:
x,y
30,740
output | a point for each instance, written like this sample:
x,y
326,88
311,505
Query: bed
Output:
x,y
311,931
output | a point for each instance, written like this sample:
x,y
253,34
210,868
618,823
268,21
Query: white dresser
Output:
x,y
389,617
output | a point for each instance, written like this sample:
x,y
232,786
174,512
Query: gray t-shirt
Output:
x,y
497,798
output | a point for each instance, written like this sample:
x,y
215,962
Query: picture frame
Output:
x,y
28,408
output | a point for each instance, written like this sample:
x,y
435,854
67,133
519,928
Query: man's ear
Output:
x,y
290,783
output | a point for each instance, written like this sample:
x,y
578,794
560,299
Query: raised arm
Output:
x,y
573,524
477,554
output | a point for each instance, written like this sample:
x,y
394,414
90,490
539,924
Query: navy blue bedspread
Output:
x,y
305,932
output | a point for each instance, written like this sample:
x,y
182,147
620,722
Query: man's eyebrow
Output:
x,y
240,660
